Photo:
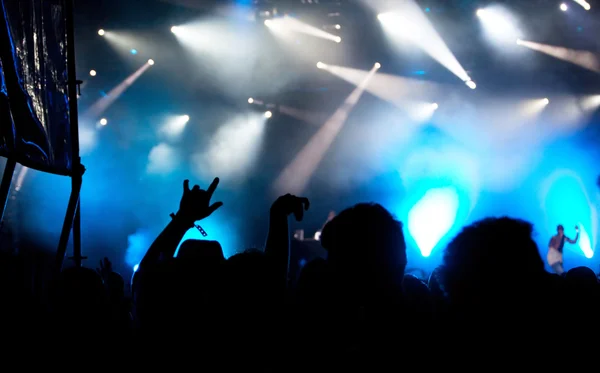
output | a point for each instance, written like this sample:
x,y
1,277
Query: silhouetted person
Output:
x,y
496,284
352,302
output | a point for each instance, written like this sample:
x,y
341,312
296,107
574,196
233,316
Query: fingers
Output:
x,y
186,186
212,187
212,208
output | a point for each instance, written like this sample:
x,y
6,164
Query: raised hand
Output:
x,y
290,204
195,203
105,268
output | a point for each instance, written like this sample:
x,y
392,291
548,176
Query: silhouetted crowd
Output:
x,y
491,301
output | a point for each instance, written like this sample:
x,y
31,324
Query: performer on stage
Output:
x,y
555,249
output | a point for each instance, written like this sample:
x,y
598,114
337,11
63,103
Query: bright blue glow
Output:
x,y
135,267
565,201
138,244
134,51
432,217
420,72
427,10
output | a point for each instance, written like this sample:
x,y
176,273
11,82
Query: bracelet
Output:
x,y
198,227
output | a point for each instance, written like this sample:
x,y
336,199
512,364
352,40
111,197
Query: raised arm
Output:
x,y
576,237
195,205
277,248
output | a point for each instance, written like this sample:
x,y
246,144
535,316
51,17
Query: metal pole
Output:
x,y
77,236
68,222
77,169
7,177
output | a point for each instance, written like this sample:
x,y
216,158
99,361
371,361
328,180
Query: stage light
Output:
x,y
480,13
185,118
150,62
471,84
377,65
175,29
337,27
564,7
93,72
268,22
435,106
338,39
101,32
545,101
268,114
250,100
135,267
103,121
133,51
519,41
584,4
321,65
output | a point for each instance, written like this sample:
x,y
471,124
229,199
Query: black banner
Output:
x,y
34,101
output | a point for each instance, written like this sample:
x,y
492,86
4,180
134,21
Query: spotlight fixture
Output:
x,y
321,65
103,122
92,72
268,23
268,114
377,65
546,101
564,7
101,32
434,106
519,42
471,84
150,62
175,29
338,27
186,118
480,13
250,100
338,39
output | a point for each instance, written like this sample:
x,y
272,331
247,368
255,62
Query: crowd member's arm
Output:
x,y
277,247
195,205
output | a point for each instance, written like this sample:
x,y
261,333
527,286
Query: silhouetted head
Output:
x,y
201,251
583,277
365,243
79,295
560,230
491,260
251,289
116,285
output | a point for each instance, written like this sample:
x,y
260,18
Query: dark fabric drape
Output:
x,y
34,102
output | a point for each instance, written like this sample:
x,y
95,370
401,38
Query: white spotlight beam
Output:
x,y
590,103
288,23
585,59
296,176
105,102
414,97
410,23
584,4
